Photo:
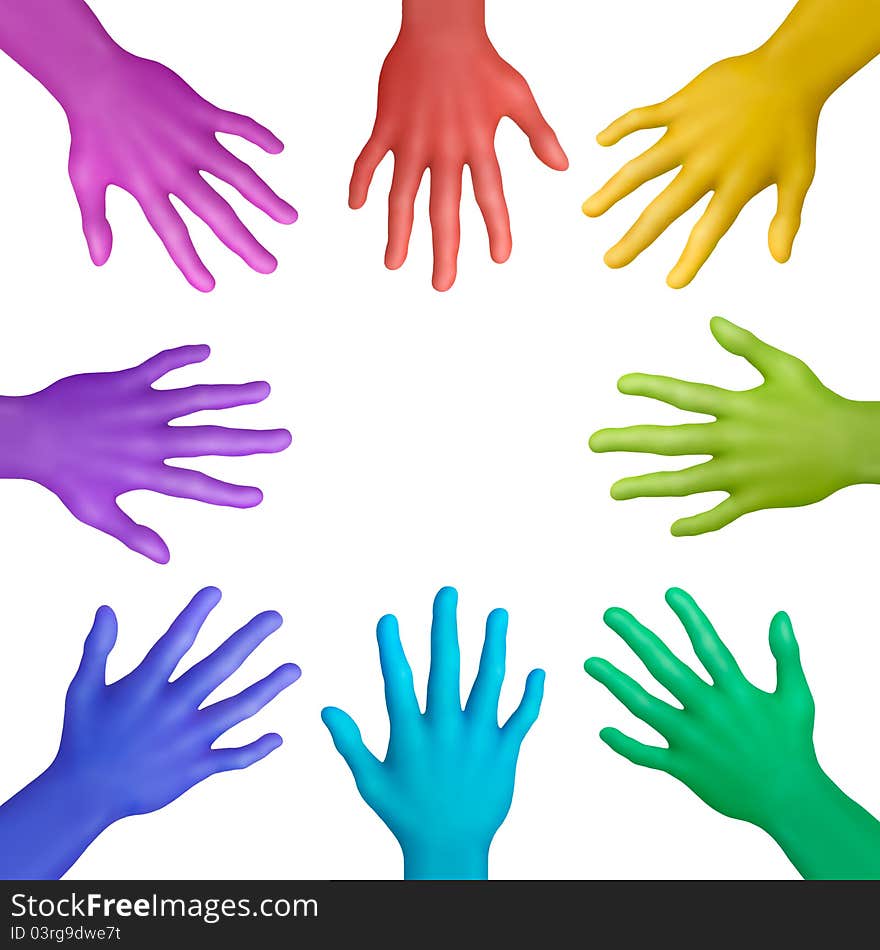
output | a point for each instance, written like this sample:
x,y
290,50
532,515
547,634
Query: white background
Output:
x,y
438,439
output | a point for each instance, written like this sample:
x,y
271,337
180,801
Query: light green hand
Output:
x,y
747,753
788,442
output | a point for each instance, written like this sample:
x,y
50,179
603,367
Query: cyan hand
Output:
x,y
138,744
788,442
747,753
93,437
446,783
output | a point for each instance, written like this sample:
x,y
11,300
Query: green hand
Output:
x,y
747,753
788,442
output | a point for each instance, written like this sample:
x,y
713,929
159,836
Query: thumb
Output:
x,y
349,744
542,138
91,199
92,672
112,520
791,193
790,679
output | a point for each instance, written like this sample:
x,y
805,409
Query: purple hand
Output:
x,y
137,125
94,437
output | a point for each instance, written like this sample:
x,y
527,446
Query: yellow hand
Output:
x,y
742,125
734,131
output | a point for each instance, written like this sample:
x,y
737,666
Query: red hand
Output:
x,y
442,92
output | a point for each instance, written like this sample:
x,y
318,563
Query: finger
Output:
x,y
349,744
713,520
692,397
231,169
185,483
400,695
364,169
173,233
228,760
112,520
657,160
691,439
92,672
401,202
651,757
765,358
526,713
791,682
708,646
682,193
445,225
232,123
194,441
645,117
222,716
791,192
542,138
199,681
96,228
158,665
181,402
657,714
486,692
220,217
167,361
489,192
444,686
658,659
715,222
688,481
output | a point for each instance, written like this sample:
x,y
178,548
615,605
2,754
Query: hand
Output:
x,y
136,745
92,438
140,127
143,741
742,125
745,752
446,783
785,443
442,94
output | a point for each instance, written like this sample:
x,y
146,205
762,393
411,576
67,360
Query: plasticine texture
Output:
x,y
788,442
744,124
442,92
94,437
134,746
446,783
747,753
137,125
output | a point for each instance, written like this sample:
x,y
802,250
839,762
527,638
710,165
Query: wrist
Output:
x,y
817,48
439,19
61,43
47,826
825,834
860,442
86,85
789,802
17,437
783,62
444,862
82,797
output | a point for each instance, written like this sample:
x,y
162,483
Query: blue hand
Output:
x,y
446,783
136,745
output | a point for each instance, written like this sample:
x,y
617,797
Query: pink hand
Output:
x,y
137,125
146,131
